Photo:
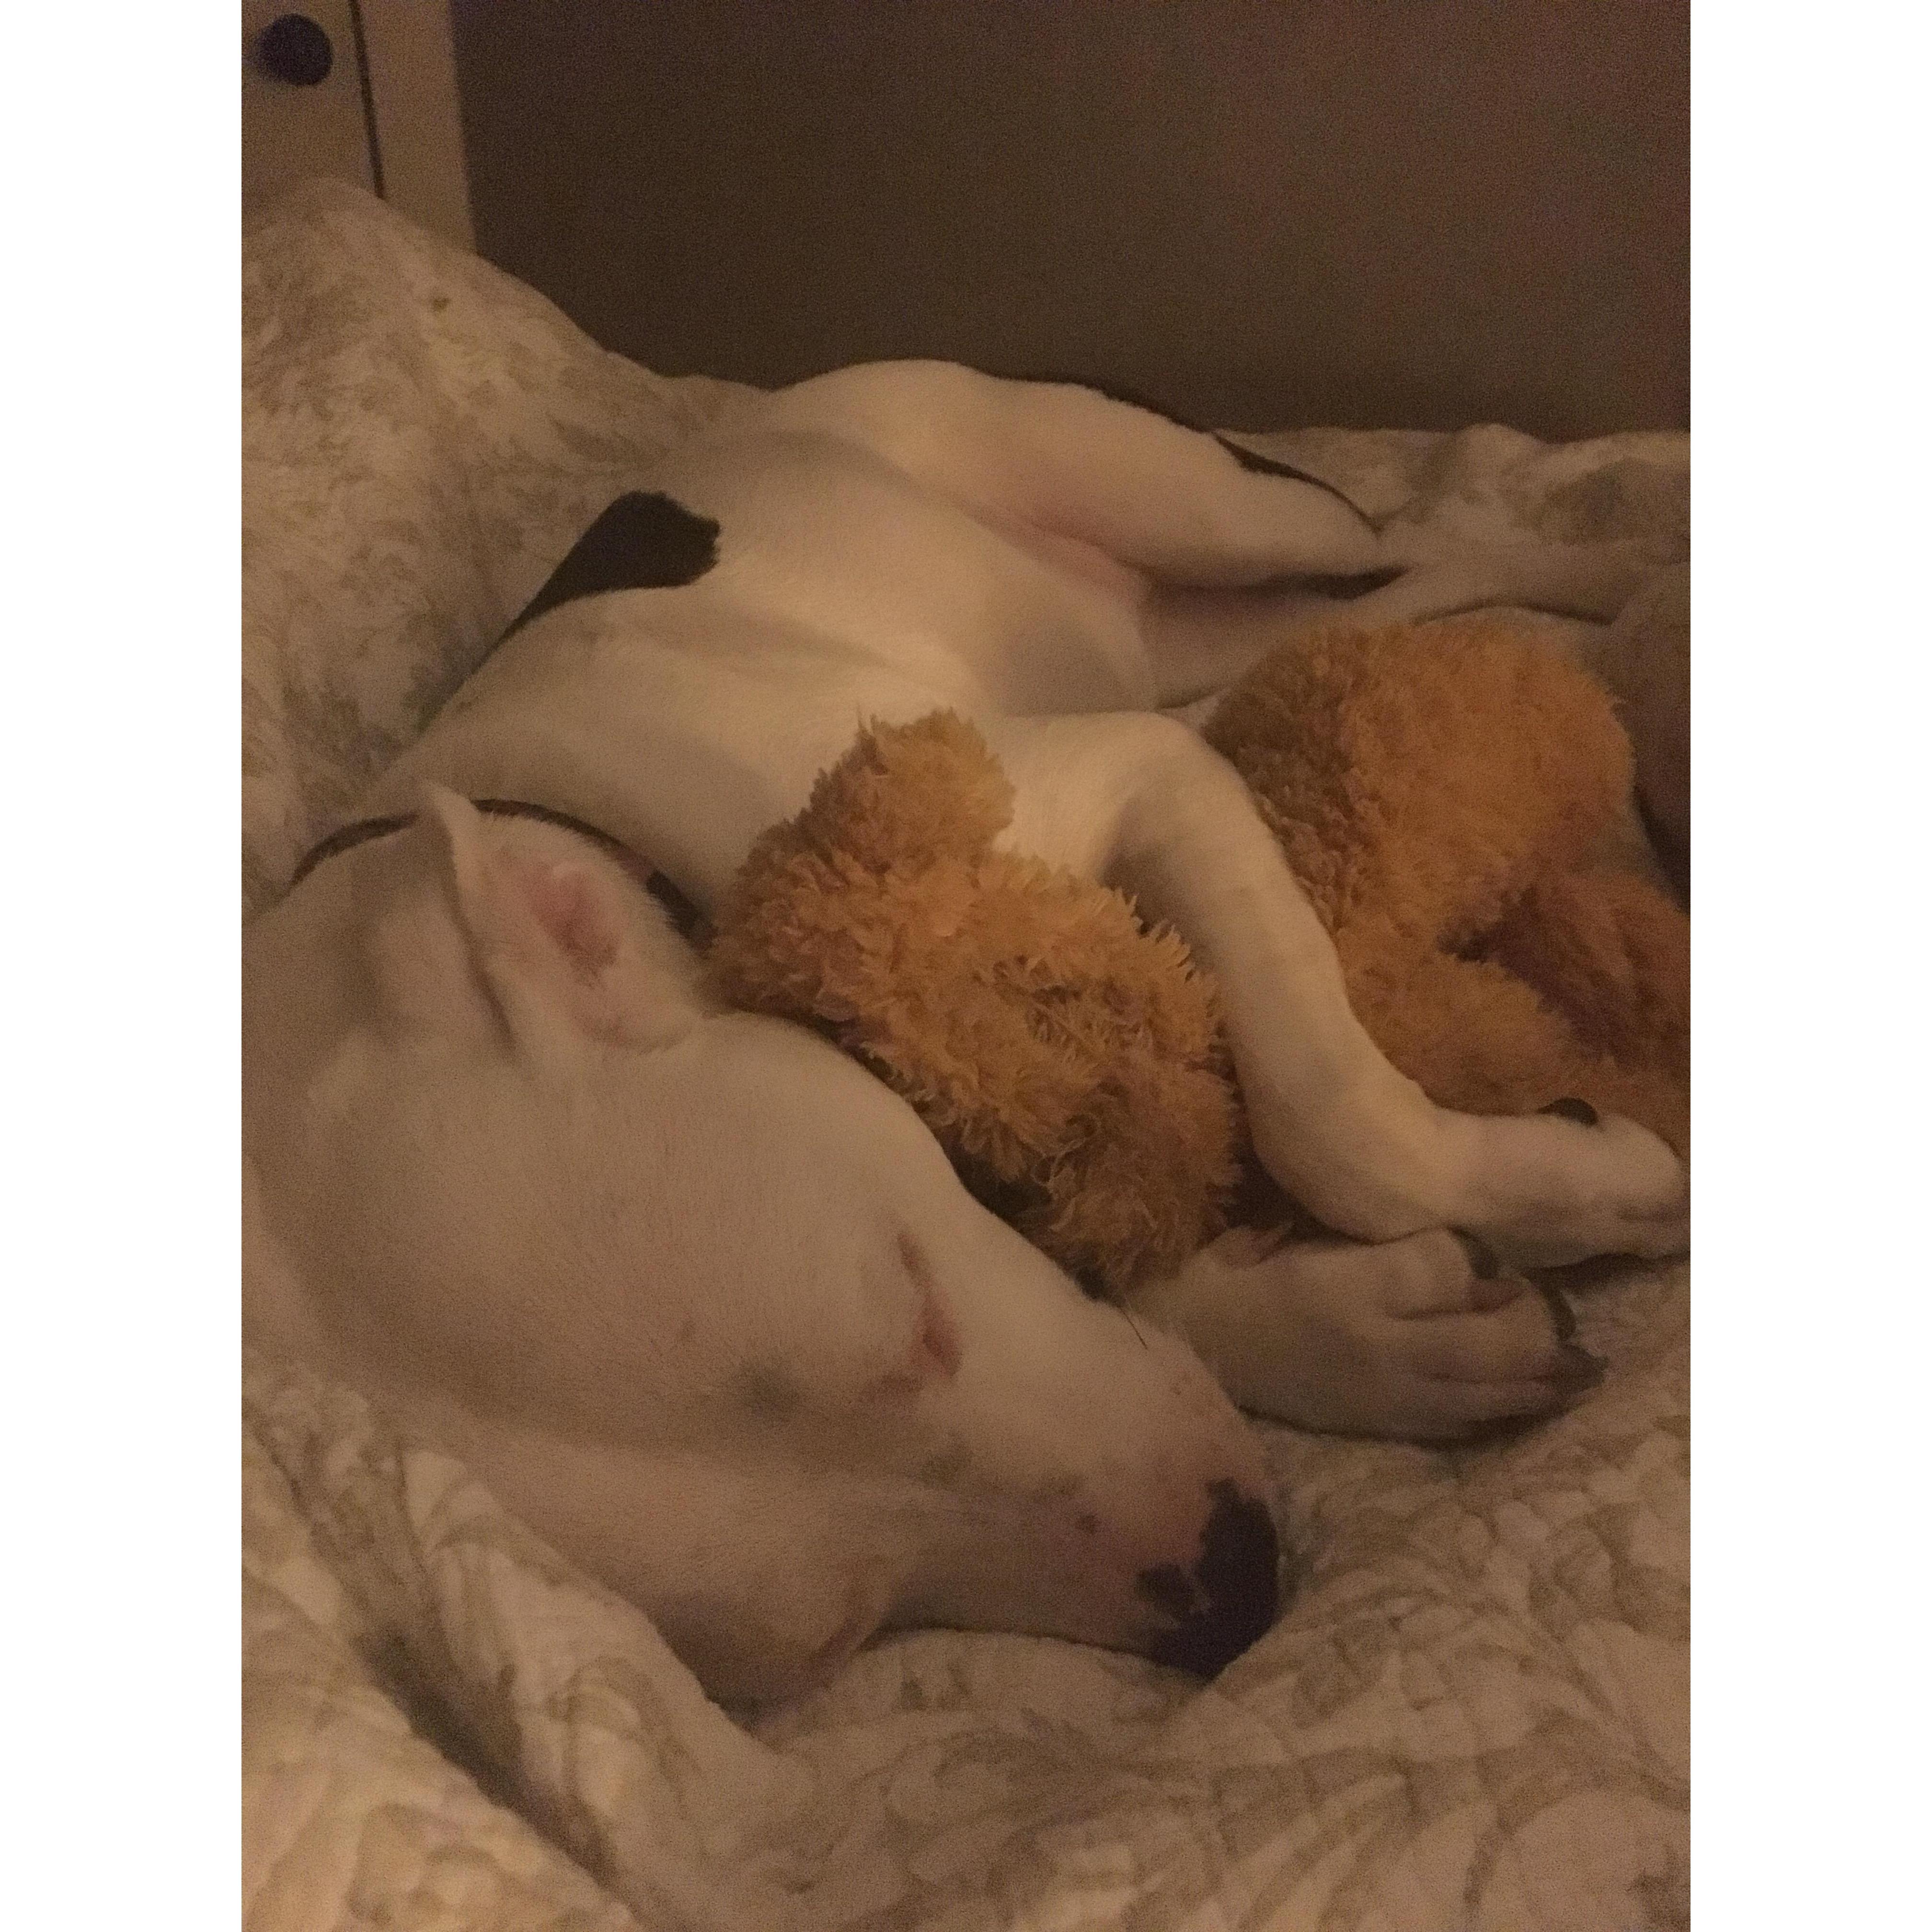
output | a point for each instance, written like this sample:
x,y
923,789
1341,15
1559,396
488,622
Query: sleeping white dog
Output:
x,y
698,1297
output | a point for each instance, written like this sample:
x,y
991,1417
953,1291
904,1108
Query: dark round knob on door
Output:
x,y
296,50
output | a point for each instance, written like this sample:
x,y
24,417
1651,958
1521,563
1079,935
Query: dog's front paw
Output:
x,y
1546,1189
1428,1338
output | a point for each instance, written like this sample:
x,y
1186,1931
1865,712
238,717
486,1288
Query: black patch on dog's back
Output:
x,y
1249,459
645,540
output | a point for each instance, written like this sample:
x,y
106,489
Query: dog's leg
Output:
x,y
1183,506
1171,502
1142,803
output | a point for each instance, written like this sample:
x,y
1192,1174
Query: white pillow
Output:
x,y
423,437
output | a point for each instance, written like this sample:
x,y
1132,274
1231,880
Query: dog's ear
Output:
x,y
486,943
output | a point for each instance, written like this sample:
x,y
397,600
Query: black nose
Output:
x,y
1233,1593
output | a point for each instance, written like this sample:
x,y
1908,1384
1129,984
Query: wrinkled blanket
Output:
x,y
1474,1711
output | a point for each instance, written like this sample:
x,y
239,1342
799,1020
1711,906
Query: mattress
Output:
x,y
1474,1710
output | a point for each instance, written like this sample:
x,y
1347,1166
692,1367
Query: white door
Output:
x,y
364,90
308,119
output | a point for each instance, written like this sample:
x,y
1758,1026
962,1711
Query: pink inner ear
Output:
x,y
566,906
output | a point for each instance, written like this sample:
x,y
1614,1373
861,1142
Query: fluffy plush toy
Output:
x,y
1451,799
1445,794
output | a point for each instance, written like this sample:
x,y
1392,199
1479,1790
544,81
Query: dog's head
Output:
x,y
701,1298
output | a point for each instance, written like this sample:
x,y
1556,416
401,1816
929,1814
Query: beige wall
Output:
x,y
1423,212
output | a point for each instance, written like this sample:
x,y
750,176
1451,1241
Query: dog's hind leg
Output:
x,y
1177,503
1173,503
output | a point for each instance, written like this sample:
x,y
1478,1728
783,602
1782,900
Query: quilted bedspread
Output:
x,y
1473,1711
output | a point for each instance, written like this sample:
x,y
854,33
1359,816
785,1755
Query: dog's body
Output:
x,y
699,1297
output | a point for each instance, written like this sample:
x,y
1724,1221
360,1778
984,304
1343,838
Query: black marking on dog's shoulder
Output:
x,y
645,540
1249,459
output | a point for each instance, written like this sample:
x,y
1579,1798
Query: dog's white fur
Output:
x,y
702,1299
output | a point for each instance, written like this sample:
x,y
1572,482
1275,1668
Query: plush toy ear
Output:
x,y
476,941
